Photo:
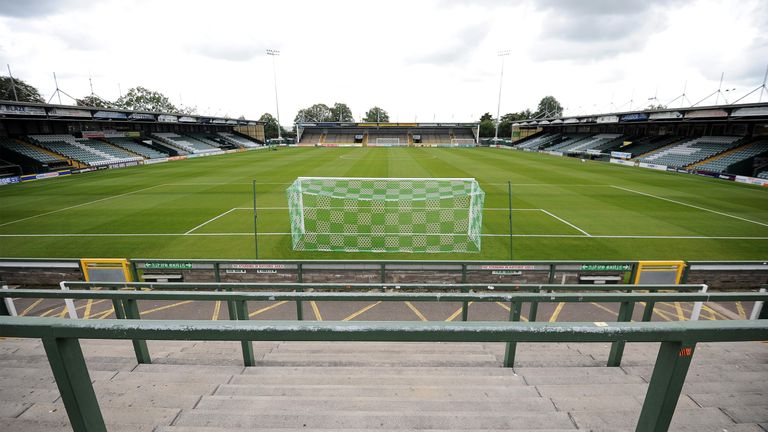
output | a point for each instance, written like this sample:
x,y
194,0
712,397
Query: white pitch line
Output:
x,y
568,223
222,234
210,220
692,206
80,205
331,208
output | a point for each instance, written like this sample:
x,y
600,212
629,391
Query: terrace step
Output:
x,y
387,391
385,379
364,420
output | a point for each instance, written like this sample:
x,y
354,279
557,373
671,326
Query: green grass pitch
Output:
x,y
563,208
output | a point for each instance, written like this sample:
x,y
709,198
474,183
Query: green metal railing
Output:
x,y
678,341
125,303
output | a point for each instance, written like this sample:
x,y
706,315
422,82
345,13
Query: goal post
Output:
x,y
358,214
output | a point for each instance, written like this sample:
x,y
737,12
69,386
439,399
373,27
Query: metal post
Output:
x,y
509,352
759,309
68,366
509,190
255,222
13,83
273,54
464,305
617,348
6,306
501,54
241,309
300,307
696,311
131,307
666,383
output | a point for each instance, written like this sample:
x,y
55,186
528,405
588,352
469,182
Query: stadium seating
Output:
x,y
205,138
190,145
344,137
81,150
591,143
569,141
763,174
722,163
111,150
644,145
238,140
28,151
691,151
538,142
131,145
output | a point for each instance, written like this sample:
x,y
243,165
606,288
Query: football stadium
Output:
x,y
172,268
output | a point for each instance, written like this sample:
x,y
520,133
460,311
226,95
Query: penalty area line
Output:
x,y
691,205
232,234
567,223
210,220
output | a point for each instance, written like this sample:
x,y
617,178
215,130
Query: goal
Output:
x,y
463,142
358,214
388,141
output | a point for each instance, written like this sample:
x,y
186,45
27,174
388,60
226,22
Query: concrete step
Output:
x,y
10,408
386,391
23,394
26,425
257,429
170,377
730,399
364,420
700,419
362,371
121,415
425,380
191,369
752,414
353,359
241,404
614,402
592,389
127,386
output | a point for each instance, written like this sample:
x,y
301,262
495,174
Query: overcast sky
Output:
x,y
419,60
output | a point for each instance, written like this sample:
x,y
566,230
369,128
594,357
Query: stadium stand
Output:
x,y
648,144
206,138
539,141
691,151
131,145
115,152
190,145
592,143
569,141
762,175
238,140
81,150
341,137
30,152
722,162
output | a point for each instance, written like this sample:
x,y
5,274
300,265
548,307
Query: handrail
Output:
x,y
387,296
678,341
400,286
125,303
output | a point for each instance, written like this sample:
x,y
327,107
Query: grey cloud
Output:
x,y
32,8
230,51
457,49
596,29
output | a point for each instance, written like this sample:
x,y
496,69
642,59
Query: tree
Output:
x,y
270,126
187,109
549,107
93,101
487,125
340,112
24,91
142,99
316,113
376,115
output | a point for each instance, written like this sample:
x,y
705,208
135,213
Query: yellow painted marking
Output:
x,y
216,310
361,311
88,305
457,313
30,307
63,313
740,309
599,306
104,314
416,311
162,308
715,314
266,308
557,311
316,310
601,323
679,309
507,308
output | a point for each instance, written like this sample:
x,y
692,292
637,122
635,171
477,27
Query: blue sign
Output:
x,y
10,180
635,117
